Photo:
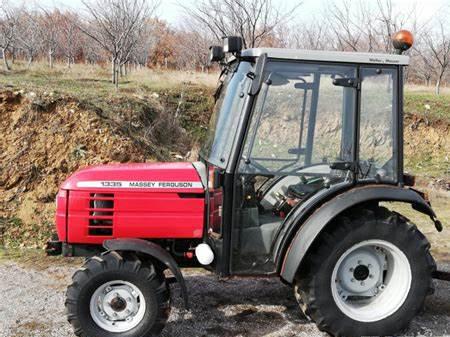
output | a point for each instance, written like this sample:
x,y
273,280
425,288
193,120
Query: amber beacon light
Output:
x,y
402,41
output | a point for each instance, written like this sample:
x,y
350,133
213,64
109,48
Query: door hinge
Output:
x,y
348,82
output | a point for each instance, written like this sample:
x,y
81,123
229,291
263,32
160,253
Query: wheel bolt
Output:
x,y
108,289
362,283
129,299
351,270
352,280
359,262
370,276
369,266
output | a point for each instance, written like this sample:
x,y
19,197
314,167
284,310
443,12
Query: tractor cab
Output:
x,y
290,127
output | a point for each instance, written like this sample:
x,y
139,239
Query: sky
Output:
x,y
171,11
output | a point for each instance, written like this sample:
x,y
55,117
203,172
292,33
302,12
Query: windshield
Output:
x,y
300,119
226,115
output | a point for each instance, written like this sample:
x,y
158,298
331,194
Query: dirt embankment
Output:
x,y
45,137
427,150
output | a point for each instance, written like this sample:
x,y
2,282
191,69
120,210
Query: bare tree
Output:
x,y
367,25
91,51
439,46
8,28
192,46
114,25
312,36
70,39
392,21
141,51
49,27
29,38
254,20
345,24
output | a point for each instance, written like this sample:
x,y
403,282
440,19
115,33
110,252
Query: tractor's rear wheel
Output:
x,y
117,295
367,275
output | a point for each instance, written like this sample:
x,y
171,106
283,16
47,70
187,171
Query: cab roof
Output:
x,y
327,56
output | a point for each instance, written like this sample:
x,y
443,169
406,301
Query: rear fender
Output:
x,y
313,226
153,250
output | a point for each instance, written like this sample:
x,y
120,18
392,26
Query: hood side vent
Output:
x,y
101,214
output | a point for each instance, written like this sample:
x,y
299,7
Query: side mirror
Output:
x,y
216,54
232,44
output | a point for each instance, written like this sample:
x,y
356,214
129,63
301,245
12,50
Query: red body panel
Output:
x,y
134,200
61,215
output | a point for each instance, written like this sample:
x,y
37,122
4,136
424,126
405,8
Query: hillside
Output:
x,y
47,134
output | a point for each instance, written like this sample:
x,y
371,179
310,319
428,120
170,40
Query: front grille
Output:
x,y
101,214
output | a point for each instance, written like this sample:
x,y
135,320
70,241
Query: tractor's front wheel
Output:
x,y
367,275
117,295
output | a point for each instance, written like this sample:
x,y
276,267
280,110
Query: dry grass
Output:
x,y
82,78
417,88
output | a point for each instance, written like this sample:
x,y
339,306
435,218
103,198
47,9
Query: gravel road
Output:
x,y
32,298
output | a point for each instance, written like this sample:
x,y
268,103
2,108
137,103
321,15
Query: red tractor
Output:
x,y
303,148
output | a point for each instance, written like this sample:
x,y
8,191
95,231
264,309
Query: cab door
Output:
x,y
302,123
221,143
378,131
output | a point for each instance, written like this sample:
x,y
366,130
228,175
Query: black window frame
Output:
x,y
397,122
223,266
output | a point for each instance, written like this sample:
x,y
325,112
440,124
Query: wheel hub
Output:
x,y
371,280
117,306
361,273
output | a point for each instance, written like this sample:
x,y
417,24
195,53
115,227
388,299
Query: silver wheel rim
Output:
x,y
371,280
117,306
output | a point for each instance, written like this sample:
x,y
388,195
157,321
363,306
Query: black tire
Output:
x,y
112,266
313,281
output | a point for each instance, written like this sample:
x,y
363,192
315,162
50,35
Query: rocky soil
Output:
x,y
45,137
33,305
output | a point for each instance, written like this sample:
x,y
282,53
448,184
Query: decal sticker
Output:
x,y
140,184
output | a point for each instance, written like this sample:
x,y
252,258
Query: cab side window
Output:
x,y
378,105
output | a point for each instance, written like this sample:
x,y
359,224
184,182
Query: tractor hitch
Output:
x,y
441,275
53,248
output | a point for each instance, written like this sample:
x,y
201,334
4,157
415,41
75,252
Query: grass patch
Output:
x,y
36,258
87,81
427,104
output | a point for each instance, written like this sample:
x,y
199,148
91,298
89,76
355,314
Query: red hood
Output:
x,y
182,177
